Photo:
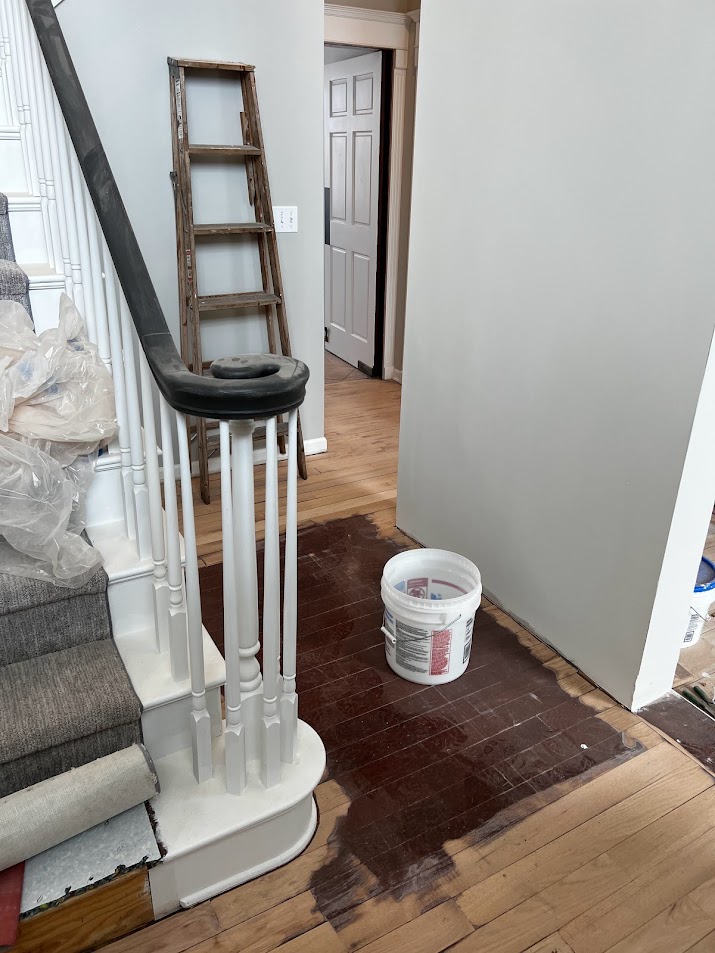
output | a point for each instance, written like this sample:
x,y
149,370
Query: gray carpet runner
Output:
x,y
65,697
14,283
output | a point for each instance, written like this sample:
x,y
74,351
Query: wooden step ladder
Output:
x,y
192,304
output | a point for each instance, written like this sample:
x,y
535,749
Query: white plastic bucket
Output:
x,y
430,598
703,597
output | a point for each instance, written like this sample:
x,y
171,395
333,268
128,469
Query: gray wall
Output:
x,y
120,52
561,303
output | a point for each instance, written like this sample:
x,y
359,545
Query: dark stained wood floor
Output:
x,y
421,765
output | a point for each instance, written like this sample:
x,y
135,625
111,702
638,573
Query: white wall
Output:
x,y
561,303
120,51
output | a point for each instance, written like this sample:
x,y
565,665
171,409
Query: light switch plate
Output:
x,y
285,218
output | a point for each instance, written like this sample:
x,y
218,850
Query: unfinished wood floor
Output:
x,y
590,852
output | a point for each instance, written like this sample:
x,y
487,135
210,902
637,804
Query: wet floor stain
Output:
x,y
422,765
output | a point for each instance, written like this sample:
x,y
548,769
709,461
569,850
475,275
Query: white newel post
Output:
x,y
158,551
178,645
235,734
200,718
289,698
247,581
271,728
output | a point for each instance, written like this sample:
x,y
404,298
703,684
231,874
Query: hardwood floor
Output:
x,y
516,809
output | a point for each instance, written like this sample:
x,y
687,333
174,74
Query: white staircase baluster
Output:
x,y
8,73
58,185
63,145
247,582
235,734
33,113
289,698
156,516
200,718
83,236
95,272
41,122
23,102
271,728
120,394
178,645
136,447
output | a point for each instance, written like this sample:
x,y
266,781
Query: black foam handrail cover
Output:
x,y
220,398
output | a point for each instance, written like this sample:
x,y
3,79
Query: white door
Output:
x,y
352,172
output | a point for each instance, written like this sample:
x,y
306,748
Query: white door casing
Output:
x,y
352,173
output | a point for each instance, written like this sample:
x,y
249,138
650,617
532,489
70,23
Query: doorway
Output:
x,y
357,86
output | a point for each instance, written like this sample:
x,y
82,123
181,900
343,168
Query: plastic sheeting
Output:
x,y
56,410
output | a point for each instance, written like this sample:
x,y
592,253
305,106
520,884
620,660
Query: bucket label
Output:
x,y
417,588
412,648
692,628
439,660
467,640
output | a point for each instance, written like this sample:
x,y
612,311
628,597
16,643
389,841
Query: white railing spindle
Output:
x,y
120,394
8,72
69,209
23,102
178,645
41,123
200,718
156,516
289,698
140,492
271,729
235,734
58,184
83,236
95,271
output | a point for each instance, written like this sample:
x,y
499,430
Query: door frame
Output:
x,y
355,26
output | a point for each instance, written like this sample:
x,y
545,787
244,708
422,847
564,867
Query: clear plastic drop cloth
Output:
x,y
56,411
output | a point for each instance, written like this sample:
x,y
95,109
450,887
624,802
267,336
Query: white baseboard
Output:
x,y
397,375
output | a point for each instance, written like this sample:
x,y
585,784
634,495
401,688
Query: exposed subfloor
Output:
x,y
516,809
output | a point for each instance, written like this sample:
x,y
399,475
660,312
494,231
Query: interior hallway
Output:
x,y
516,809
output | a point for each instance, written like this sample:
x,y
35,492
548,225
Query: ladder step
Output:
x,y
234,228
258,434
203,151
210,64
244,299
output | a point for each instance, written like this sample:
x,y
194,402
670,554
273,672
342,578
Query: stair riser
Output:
x,y
166,729
45,300
12,162
131,604
28,232
105,500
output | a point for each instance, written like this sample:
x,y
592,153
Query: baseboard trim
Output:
x,y
397,375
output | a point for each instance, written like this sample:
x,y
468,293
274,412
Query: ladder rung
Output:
x,y
259,433
203,151
244,299
235,228
210,64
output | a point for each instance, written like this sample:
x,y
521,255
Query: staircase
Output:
x,y
236,789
